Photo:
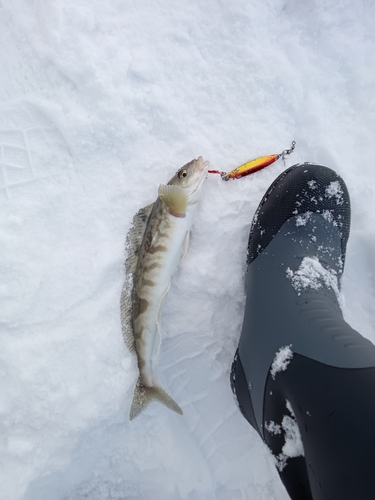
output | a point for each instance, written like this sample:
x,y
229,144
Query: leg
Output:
x,y
334,409
302,376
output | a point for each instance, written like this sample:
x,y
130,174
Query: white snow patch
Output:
x,y
234,392
289,407
236,399
273,428
281,361
311,274
334,190
327,215
19,446
293,446
312,184
302,219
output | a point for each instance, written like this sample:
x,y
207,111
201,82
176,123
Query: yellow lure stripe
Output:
x,y
251,166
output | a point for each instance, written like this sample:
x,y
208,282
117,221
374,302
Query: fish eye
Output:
x,y
182,173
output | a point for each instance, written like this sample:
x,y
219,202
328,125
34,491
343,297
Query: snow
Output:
x,y
327,214
302,219
281,361
273,428
100,102
312,274
293,446
333,190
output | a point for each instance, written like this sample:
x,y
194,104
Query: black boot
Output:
x,y
303,378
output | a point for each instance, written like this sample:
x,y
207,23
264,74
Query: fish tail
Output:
x,y
144,395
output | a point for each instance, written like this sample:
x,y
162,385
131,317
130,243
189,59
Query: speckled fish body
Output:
x,y
157,241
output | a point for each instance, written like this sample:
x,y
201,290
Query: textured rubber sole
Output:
x,y
297,190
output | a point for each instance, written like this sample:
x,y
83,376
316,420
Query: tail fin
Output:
x,y
143,396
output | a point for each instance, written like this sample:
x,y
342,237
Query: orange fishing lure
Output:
x,y
253,166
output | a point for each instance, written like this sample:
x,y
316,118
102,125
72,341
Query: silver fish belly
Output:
x,y
158,239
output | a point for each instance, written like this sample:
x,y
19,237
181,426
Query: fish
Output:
x,y
156,242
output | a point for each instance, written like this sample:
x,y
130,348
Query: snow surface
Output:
x,y
100,102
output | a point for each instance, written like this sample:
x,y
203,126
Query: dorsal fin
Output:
x,y
133,242
135,236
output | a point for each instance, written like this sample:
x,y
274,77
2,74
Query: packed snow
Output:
x,y
100,102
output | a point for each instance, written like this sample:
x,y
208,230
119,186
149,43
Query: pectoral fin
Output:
x,y
185,245
157,339
175,198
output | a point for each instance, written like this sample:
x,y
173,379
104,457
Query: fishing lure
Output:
x,y
254,165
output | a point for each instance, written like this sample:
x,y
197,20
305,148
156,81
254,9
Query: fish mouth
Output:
x,y
201,165
202,168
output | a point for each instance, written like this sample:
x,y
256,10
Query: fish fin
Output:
x,y
133,242
185,245
157,339
143,396
157,343
135,236
176,199
126,310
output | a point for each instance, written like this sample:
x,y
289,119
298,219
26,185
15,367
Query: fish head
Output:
x,y
191,177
